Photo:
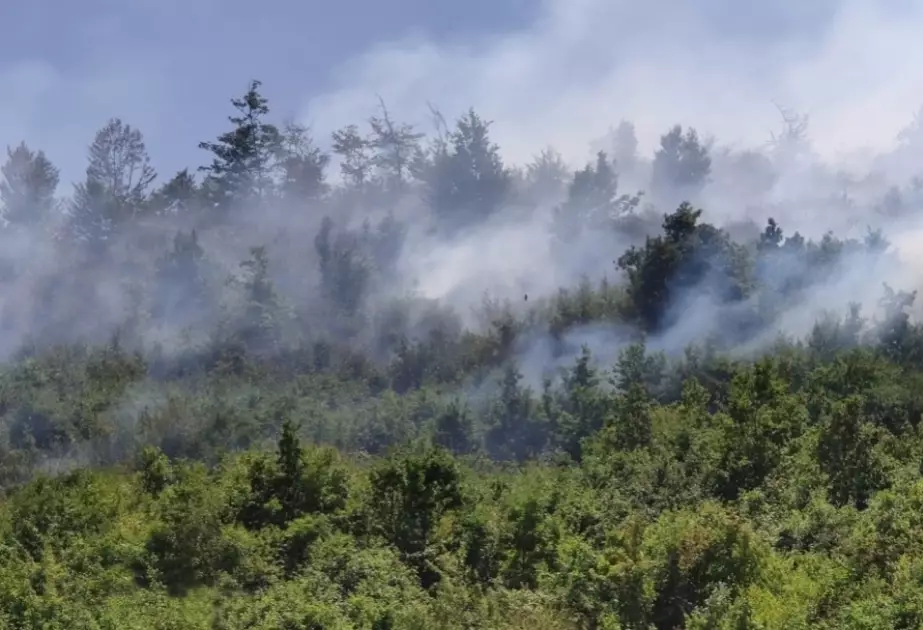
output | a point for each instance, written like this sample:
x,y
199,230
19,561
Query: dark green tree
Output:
x,y
244,157
466,178
516,433
454,429
846,452
409,493
688,256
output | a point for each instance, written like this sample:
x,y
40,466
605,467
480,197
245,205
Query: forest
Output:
x,y
399,383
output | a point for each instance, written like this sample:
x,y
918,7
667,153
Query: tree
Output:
x,y
410,492
895,331
28,187
467,180
625,146
302,165
262,305
117,185
515,434
546,176
178,195
181,283
119,161
622,144
344,270
584,406
454,428
688,256
355,161
792,143
681,164
241,169
846,452
395,145
592,200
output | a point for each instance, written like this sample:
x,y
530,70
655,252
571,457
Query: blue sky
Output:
x,y
556,70
170,67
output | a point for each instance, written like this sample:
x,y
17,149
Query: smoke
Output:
x,y
584,65
565,80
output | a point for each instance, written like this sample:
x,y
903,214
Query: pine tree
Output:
x,y
241,169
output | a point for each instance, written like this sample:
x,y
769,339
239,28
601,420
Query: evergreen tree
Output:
x,y
466,178
241,169
688,255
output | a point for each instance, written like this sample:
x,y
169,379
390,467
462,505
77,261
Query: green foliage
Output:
x,y
242,163
465,175
364,460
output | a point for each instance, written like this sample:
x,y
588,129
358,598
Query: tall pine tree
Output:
x,y
242,166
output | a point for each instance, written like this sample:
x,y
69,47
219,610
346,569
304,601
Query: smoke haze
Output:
x,y
739,75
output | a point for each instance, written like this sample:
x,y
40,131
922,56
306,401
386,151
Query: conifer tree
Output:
x,y
243,158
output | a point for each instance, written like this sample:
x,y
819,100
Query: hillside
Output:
x,y
439,391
